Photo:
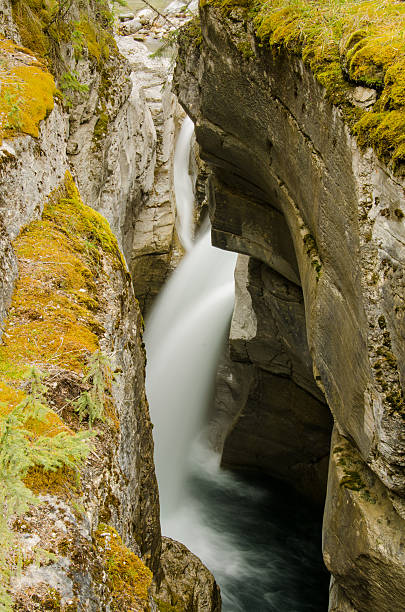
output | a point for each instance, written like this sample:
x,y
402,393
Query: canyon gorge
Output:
x,y
296,175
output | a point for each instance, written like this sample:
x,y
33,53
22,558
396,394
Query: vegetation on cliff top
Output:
x,y
51,29
44,24
346,43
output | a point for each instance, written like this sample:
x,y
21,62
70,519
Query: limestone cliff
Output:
x,y
321,217
79,498
72,312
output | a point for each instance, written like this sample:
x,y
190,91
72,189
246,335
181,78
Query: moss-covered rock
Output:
x,y
72,287
344,44
128,578
26,92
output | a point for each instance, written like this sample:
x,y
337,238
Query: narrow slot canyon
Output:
x,y
202,345
256,537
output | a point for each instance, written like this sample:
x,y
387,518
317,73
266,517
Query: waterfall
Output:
x,y
183,186
184,336
234,526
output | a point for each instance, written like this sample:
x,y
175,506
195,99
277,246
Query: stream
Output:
x,y
259,538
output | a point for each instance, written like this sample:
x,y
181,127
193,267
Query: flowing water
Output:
x,y
183,185
184,337
260,540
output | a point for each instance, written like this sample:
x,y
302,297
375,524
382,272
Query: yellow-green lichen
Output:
x,y
31,17
128,578
166,607
352,471
312,251
95,39
43,27
192,30
51,321
100,129
26,91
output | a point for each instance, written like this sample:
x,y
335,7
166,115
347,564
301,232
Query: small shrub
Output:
x,y
91,404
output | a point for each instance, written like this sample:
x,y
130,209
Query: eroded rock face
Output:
x,y
116,486
282,425
116,151
30,169
8,273
114,154
367,556
291,188
287,149
7,25
155,247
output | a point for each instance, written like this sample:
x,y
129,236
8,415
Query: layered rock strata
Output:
x,y
155,246
322,221
283,426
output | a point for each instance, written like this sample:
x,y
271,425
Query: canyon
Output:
x,y
310,387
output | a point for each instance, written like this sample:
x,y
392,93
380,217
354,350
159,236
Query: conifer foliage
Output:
x,y
91,404
22,448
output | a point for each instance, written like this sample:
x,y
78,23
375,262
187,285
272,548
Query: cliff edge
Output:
x,y
299,112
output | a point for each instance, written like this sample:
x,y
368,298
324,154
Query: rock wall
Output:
x,y
68,310
120,128
90,308
323,290
155,247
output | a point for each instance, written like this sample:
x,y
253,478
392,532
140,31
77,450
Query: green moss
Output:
x,y
312,251
387,374
344,43
385,132
49,601
128,578
100,129
245,48
389,357
51,322
352,480
94,38
165,607
75,219
42,33
192,30
381,322
26,92
31,19
352,475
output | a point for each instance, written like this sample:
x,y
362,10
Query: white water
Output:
x,y
183,186
231,525
184,336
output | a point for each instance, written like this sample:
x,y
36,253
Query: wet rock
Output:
x,y
291,188
131,26
187,583
282,425
146,16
